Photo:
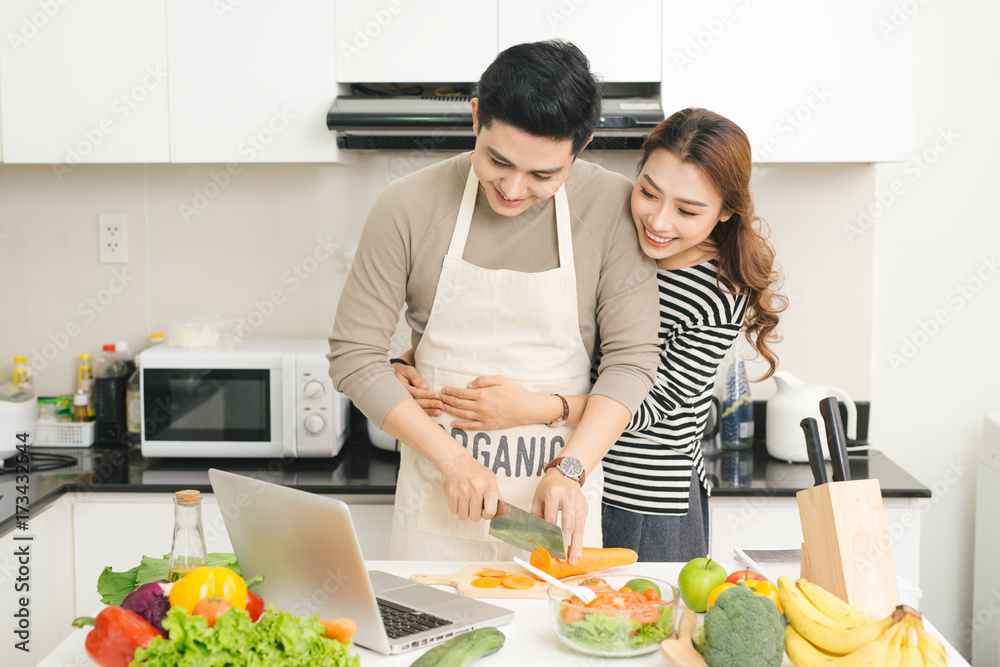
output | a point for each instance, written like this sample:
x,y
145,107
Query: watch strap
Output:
x,y
559,421
554,463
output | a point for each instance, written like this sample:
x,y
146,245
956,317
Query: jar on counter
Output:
x,y
187,551
81,406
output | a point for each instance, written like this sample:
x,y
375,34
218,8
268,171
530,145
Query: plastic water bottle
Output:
x,y
121,349
737,407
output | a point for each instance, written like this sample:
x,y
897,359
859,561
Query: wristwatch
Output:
x,y
559,421
569,466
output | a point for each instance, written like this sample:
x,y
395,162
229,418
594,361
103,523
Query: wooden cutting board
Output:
x,y
462,581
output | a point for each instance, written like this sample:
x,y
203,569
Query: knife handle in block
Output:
x,y
836,440
814,448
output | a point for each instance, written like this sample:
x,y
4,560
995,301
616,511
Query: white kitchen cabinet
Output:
x,y
807,81
48,576
118,529
251,82
83,82
768,522
393,41
622,40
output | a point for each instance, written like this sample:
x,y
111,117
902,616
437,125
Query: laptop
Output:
x,y
305,546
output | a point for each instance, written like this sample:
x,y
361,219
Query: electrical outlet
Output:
x,y
112,239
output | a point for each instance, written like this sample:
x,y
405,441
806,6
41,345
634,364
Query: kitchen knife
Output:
x,y
526,531
814,448
836,441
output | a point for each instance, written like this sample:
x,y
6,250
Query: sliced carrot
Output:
x,y
517,583
591,560
490,572
341,629
486,582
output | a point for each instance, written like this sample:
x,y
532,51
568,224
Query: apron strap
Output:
x,y
564,229
464,222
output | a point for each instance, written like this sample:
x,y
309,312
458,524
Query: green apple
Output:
x,y
697,580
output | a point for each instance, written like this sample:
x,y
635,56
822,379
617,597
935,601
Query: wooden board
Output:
x,y
462,581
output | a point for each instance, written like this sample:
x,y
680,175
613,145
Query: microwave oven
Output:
x,y
260,399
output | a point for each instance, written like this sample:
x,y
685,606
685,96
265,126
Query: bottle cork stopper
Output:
x,y
187,497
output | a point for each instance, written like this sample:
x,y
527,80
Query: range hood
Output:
x,y
432,122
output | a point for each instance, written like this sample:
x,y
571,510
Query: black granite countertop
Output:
x,y
363,469
753,472
360,468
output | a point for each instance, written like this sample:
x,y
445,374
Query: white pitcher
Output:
x,y
794,401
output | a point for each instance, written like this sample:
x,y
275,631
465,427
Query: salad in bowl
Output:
x,y
630,615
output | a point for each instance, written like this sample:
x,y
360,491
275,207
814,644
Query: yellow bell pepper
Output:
x,y
209,582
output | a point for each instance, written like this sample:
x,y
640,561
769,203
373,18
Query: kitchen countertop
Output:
x,y
753,472
530,639
363,469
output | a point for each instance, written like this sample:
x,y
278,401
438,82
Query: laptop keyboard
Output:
x,y
401,622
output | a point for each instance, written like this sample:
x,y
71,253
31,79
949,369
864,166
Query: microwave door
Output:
x,y
231,412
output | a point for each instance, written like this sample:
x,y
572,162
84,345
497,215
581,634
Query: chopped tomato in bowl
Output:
x,y
620,621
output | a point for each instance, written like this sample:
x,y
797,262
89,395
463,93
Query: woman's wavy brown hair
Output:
x,y
746,260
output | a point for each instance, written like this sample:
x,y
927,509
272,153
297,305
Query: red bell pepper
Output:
x,y
116,635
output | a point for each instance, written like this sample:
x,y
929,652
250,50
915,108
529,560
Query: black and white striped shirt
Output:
x,y
649,469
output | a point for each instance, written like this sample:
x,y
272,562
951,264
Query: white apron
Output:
x,y
495,322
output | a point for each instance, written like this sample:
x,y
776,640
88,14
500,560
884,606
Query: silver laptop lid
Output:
x,y
306,548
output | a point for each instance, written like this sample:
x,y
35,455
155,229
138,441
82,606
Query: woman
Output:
x,y
694,214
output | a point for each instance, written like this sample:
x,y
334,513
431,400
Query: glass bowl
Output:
x,y
617,624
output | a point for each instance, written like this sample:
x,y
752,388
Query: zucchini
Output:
x,y
463,650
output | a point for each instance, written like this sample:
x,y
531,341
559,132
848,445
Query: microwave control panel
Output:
x,y
321,413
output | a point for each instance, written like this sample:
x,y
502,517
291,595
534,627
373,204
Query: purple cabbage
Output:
x,y
152,602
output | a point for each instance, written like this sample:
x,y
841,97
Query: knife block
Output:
x,y
846,547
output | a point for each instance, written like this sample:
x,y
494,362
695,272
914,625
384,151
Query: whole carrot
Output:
x,y
591,560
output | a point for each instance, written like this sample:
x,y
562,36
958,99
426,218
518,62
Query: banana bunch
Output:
x,y
825,631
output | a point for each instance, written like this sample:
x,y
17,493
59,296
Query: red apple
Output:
x,y
697,580
744,575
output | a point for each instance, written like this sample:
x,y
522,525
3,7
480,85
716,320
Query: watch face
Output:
x,y
571,467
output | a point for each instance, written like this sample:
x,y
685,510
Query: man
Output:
x,y
516,260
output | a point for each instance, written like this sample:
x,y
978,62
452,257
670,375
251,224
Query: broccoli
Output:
x,y
744,629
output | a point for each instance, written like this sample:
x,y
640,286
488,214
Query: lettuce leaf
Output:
x,y
115,586
278,638
608,632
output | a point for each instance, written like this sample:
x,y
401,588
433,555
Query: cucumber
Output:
x,y
463,650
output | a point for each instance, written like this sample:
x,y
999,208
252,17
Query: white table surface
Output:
x,y
530,637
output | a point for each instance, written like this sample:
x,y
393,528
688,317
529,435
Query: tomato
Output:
x,y
744,575
594,581
649,615
570,615
211,609
651,595
255,605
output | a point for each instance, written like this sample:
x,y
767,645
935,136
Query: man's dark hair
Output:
x,y
543,88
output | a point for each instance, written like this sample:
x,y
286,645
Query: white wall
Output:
x,y
196,249
941,233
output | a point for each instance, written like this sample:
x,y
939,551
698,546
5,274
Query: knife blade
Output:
x,y
814,448
836,441
526,531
